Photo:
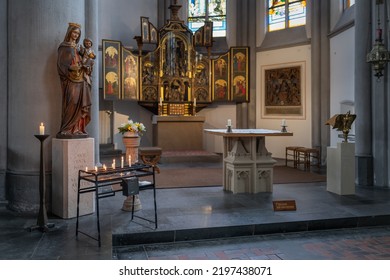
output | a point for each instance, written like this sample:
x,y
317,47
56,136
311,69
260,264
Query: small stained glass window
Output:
x,y
348,3
284,14
212,10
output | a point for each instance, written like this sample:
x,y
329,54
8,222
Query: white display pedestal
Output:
x,y
341,169
69,156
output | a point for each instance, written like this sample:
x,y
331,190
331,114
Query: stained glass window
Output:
x,y
348,3
213,10
286,14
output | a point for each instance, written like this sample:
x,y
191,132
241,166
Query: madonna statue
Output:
x,y
75,85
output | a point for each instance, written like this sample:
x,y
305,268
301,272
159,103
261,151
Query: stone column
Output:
x,y
34,88
315,74
320,75
325,76
246,12
91,31
363,105
3,96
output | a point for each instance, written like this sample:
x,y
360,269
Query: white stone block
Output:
x,y
341,169
69,156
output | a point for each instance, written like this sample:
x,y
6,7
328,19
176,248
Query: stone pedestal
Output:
x,y
341,169
69,156
248,166
131,140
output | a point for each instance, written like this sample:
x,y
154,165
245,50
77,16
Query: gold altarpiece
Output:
x,y
181,75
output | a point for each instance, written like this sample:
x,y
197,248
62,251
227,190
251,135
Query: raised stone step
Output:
x,y
178,156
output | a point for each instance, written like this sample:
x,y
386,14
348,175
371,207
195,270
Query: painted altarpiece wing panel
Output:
x,y
111,69
201,80
220,79
149,76
239,74
130,71
145,31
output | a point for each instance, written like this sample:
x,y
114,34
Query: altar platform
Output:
x,y
194,214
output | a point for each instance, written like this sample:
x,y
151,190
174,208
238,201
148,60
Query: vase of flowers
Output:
x,y
132,128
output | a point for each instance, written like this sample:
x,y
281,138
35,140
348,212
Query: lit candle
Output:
x,y
122,162
41,129
160,101
129,161
113,164
229,123
96,169
104,167
283,122
86,168
194,102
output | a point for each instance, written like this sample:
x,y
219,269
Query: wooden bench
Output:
x,y
150,155
306,156
291,151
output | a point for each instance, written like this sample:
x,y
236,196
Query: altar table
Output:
x,y
247,165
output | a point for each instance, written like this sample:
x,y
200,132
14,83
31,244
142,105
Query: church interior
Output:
x,y
238,86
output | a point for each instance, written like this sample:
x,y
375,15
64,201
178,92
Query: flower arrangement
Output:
x,y
131,126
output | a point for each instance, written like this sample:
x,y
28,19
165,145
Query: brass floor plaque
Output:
x,y
284,205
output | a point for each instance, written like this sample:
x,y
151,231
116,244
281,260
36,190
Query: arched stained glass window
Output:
x,y
212,10
284,14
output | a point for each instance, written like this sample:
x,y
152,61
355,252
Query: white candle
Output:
x,y
195,102
283,122
129,161
229,123
122,162
96,169
113,164
86,168
41,129
104,167
160,101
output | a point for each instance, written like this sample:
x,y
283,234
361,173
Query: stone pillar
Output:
x,y
320,75
34,89
315,74
91,31
246,12
363,105
320,83
3,97
325,76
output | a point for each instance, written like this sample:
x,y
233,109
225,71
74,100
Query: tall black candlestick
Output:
x,y
42,215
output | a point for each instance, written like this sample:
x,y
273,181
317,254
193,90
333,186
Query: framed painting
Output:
x,y
283,91
111,69
220,78
239,74
130,84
